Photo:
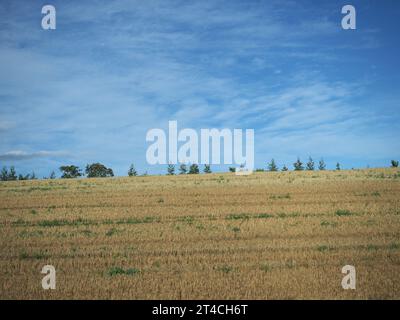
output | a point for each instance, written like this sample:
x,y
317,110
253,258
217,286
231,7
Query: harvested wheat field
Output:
x,y
283,235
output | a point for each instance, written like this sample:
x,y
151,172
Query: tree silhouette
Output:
x,y
70,172
98,170
298,165
310,164
321,164
171,169
194,169
182,169
132,171
272,166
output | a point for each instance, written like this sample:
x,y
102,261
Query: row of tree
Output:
x,y
271,166
11,174
192,169
298,165
94,170
310,165
98,170
183,169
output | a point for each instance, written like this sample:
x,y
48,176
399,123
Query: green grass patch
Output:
x,y
225,269
328,224
290,263
186,219
28,234
239,216
265,267
236,229
87,232
63,222
36,255
263,216
394,246
287,215
372,247
280,196
342,213
115,271
323,248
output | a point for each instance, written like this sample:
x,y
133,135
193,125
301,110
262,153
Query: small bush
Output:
x,y
322,248
343,213
394,246
194,169
225,269
265,267
280,196
288,215
35,255
328,224
238,216
187,219
264,215
115,271
372,247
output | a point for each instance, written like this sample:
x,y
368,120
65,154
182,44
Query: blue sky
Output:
x,y
91,89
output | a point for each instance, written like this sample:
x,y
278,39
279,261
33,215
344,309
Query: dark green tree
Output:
x,y
194,169
12,175
394,163
337,166
70,172
98,170
310,164
4,174
182,169
232,169
23,177
171,169
298,165
285,168
132,171
207,168
321,165
272,166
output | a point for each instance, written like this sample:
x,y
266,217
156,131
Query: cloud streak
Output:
x,y
17,155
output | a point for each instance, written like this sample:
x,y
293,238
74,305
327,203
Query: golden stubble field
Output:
x,y
283,235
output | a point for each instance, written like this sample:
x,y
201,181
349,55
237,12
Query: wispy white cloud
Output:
x,y
22,155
